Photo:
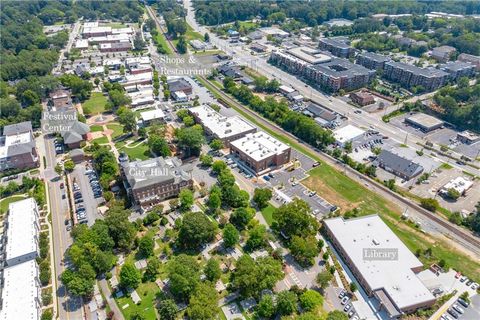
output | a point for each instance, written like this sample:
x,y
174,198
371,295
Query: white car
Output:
x,y
344,300
474,286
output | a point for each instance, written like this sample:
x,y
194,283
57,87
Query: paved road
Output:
x,y
364,120
70,308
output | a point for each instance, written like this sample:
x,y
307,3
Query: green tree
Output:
x,y
58,169
121,230
190,139
304,250
214,201
186,199
453,194
430,204
167,309
266,307
257,237
311,299
127,118
218,166
130,277
158,145
353,286
203,303
216,144
206,160
337,315
212,270
241,217
137,315
230,236
152,270
253,276
184,274
295,218
182,45
286,303
196,230
261,196
69,165
323,279
145,246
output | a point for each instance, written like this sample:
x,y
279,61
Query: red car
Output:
x,y
458,275
61,185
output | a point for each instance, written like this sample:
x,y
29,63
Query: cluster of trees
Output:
x,y
303,127
361,167
117,96
461,104
91,253
185,285
471,222
156,141
81,88
287,303
105,164
314,13
296,225
33,186
190,139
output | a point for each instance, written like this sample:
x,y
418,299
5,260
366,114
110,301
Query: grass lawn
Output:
x,y
96,128
267,213
5,202
115,25
147,292
117,129
140,151
95,105
101,140
190,35
160,39
339,189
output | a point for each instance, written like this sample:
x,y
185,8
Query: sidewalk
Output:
x,y
109,297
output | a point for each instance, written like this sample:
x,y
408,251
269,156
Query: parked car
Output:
x,y
347,307
457,308
344,300
463,302
453,313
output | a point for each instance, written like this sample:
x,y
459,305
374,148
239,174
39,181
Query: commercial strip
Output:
x,y
424,121
381,263
399,166
20,292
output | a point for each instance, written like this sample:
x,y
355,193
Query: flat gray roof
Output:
x,y
358,237
424,120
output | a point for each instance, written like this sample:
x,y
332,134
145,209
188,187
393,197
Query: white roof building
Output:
x,y
152,115
381,262
90,24
22,231
126,30
141,97
260,145
274,32
21,292
224,128
109,38
140,78
346,134
81,44
134,62
460,184
286,89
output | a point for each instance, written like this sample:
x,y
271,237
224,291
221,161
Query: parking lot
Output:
x,y
86,200
437,180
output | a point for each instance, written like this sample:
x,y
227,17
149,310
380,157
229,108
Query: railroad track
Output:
x,y
152,15
472,242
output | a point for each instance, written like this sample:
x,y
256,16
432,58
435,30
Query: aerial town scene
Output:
x,y
239,159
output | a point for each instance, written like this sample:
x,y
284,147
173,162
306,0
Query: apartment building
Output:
x,y
331,74
475,60
17,147
372,60
20,294
339,46
154,180
410,76
443,53
458,69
